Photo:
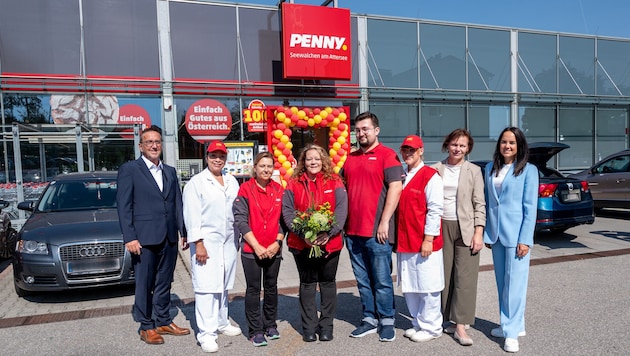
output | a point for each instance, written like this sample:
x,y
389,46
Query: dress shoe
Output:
x,y
309,337
325,335
464,341
172,329
151,337
451,328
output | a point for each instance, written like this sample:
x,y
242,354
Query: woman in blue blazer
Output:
x,y
511,202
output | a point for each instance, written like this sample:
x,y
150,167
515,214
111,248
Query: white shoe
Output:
x,y
498,332
409,332
209,346
511,345
422,336
230,330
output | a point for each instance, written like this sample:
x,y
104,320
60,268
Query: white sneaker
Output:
x,y
498,332
409,332
230,330
511,345
422,336
209,346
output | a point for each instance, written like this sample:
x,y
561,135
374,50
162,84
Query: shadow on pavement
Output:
x,y
557,240
613,213
81,295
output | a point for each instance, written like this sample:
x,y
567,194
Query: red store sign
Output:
x,y
208,120
316,42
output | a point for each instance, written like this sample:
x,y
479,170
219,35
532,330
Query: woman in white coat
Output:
x,y
208,199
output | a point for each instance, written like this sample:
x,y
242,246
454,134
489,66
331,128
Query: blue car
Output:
x,y
562,202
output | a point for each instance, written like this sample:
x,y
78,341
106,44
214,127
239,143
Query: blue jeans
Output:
x,y
372,267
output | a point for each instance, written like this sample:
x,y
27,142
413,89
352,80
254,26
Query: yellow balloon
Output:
x,y
289,145
282,158
341,140
281,116
332,152
277,153
343,158
301,114
336,146
286,164
278,133
342,116
311,122
317,119
294,109
335,122
287,122
336,169
284,138
340,164
323,114
344,134
290,171
328,109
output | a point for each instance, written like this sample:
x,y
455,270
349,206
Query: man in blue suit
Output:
x,y
151,215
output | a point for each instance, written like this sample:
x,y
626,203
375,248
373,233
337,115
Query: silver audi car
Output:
x,y
72,238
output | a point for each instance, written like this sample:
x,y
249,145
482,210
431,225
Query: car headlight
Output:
x,y
32,247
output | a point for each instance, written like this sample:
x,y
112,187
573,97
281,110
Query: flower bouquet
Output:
x,y
313,221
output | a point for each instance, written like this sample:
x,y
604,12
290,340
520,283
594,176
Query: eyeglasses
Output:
x,y
363,130
408,150
152,142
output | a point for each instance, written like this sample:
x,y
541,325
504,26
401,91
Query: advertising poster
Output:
x,y
240,158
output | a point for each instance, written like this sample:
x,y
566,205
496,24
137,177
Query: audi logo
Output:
x,y
93,251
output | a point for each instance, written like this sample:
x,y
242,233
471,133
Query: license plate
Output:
x,y
93,266
572,195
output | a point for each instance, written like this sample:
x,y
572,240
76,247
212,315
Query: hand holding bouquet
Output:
x,y
313,221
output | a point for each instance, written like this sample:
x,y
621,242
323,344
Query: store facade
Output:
x,y
79,78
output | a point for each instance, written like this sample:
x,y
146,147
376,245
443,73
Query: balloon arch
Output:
x,y
285,118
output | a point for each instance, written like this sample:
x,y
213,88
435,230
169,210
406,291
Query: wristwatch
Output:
x,y
279,241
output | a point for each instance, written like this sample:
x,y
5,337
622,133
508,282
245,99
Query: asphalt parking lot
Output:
x,y
578,293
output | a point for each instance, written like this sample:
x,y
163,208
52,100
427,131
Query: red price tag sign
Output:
x,y
256,116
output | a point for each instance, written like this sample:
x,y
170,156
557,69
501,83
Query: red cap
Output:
x,y
217,146
412,141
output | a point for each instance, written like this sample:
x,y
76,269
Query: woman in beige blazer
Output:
x,y
463,222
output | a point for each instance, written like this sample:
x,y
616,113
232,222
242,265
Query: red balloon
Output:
x,y
316,111
345,146
282,171
336,159
280,145
335,113
342,127
277,165
286,151
341,152
331,141
342,110
288,132
324,123
294,118
280,109
302,124
275,141
310,115
336,133
282,126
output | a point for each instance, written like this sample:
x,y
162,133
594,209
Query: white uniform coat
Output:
x,y
208,216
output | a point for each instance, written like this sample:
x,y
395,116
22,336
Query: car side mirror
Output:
x,y
26,205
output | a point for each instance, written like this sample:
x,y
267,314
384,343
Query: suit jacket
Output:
x,y
511,213
471,202
145,213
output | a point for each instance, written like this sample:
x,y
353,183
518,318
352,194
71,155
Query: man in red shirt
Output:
x,y
373,177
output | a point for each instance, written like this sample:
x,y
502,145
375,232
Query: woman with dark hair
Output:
x,y
463,220
257,210
313,184
512,199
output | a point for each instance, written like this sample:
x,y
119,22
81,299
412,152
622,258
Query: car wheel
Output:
x,y
21,292
8,245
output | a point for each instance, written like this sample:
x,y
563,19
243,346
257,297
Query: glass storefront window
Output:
x,y
613,67
575,67
396,120
576,130
261,46
384,39
442,57
612,131
536,63
121,38
40,36
485,123
437,121
489,60
204,41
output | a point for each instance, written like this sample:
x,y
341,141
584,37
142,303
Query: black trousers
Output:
x,y
312,271
256,270
153,270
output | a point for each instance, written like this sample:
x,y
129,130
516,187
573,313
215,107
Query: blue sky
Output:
x,y
591,17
